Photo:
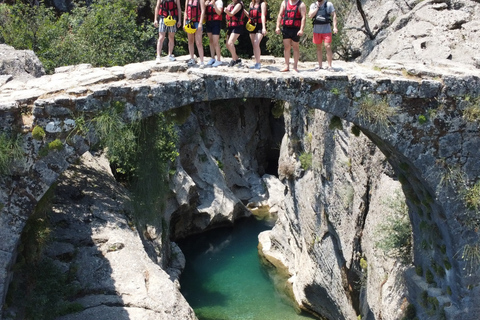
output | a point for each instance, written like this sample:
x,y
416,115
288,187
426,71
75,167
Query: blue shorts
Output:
x,y
213,27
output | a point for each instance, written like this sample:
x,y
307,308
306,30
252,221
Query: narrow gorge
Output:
x,y
236,157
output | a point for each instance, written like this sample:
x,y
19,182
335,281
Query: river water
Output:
x,y
225,280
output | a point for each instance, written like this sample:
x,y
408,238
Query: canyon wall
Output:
x,y
330,221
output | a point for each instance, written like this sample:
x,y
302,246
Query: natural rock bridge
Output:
x,y
427,137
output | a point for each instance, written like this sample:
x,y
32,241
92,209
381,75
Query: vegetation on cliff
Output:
x,y
107,33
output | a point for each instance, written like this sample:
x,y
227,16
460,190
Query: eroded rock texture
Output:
x,y
418,30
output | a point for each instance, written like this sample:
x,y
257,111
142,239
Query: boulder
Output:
x,y
19,64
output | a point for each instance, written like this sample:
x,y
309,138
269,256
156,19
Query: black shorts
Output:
x,y
291,33
213,27
258,28
237,29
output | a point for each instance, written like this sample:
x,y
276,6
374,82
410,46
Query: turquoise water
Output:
x,y
224,279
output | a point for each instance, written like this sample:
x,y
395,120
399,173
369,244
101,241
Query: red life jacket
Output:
x,y
255,14
212,15
292,17
193,10
168,7
237,19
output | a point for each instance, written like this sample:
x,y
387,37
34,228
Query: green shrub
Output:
x,y
410,312
43,152
277,109
38,133
363,264
424,298
447,264
306,160
55,145
104,34
10,150
335,91
429,277
335,123
422,119
419,270
356,131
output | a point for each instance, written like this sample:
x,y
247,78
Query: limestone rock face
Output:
x,y
418,30
223,153
94,237
18,64
331,212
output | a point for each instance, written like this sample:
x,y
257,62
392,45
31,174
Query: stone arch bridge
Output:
x,y
426,138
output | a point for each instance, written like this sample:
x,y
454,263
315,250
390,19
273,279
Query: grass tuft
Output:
x,y
10,151
376,112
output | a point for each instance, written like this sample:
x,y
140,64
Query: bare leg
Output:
x,y
296,54
328,47
161,37
216,46
198,41
256,39
211,45
171,42
286,53
231,45
191,45
320,54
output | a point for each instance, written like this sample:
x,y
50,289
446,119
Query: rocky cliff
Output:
x,y
333,207
97,253
431,30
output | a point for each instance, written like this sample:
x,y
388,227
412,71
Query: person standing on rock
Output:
x,y
292,17
323,14
193,25
170,12
257,17
213,26
235,15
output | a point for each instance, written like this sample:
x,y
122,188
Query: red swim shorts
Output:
x,y
320,37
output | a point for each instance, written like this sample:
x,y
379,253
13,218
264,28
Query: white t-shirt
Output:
x,y
322,28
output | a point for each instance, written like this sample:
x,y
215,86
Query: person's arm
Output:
x,y
218,10
202,14
185,15
303,11
227,12
236,9
247,13
264,18
334,19
179,9
313,10
157,8
279,17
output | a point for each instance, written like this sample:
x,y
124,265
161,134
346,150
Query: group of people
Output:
x,y
291,21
